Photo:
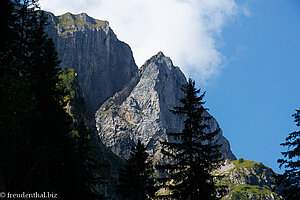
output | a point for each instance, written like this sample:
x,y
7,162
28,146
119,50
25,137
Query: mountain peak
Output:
x,y
160,54
160,63
141,110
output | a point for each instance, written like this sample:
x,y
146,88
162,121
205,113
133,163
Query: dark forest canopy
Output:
x,y
36,143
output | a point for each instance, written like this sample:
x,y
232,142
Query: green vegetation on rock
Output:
x,y
247,179
66,20
76,106
245,192
248,164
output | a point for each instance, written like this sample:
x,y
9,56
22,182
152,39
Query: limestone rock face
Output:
x,y
141,110
104,63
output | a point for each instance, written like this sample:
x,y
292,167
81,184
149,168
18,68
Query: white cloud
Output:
x,y
188,31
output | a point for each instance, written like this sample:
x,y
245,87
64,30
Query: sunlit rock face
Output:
x,y
141,110
104,63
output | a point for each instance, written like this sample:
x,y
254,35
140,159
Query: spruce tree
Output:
x,y
17,100
192,154
34,127
290,179
87,166
136,179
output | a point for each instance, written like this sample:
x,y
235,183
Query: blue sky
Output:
x,y
255,95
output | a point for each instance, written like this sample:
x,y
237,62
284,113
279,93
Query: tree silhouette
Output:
x,y
192,153
136,180
290,179
34,127
86,165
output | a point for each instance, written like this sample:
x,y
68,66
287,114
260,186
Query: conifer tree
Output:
x,y
17,100
86,165
136,180
192,154
290,179
34,127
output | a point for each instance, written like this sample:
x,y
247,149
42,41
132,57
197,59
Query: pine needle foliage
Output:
x,y
192,153
136,180
290,179
37,150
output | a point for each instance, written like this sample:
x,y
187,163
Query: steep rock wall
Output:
x,y
104,63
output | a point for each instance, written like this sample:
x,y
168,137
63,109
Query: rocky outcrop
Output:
x,y
104,63
141,110
247,180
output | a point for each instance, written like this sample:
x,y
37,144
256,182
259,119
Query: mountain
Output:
x,y
133,104
248,180
141,110
89,46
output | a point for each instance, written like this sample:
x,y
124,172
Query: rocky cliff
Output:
x,y
141,110
104,63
